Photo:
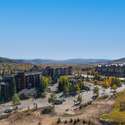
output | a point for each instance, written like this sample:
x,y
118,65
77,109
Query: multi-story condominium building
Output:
x,y
27,80
32,80
5,92
22,81
49,71
6,86
57,71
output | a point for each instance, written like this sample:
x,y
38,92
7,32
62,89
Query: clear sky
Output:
x,y
61,29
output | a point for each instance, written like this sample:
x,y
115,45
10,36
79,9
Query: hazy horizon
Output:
x,y
62,29
62,59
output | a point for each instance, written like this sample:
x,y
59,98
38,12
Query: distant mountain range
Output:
x,y
68,61
119,61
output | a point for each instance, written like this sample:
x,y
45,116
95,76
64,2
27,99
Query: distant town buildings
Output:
x,y
109,65
117,70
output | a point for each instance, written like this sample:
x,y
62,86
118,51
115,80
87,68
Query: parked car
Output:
x,y
8,111
58,102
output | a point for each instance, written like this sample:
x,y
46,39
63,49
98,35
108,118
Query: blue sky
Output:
x,y
61,29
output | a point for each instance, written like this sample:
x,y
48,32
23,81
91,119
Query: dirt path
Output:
x,y
92,112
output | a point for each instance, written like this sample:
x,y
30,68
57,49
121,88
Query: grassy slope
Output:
x,y
116,115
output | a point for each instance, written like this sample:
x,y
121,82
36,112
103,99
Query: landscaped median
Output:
x,y
117,116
